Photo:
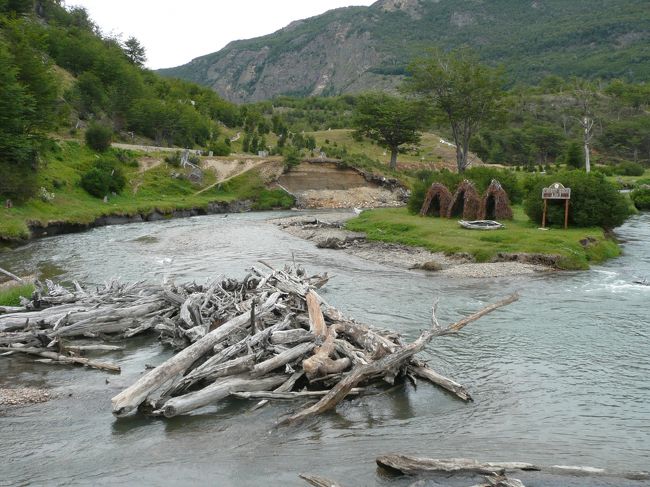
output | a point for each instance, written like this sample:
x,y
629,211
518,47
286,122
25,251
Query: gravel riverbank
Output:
x,y
327,230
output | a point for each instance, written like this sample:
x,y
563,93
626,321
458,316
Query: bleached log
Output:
x,y
64,359
434,377
92,348
218,391
286,395
318,481
413,465
286,337
129,399
13,276
281,359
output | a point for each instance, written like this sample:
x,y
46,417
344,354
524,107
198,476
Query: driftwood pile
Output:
x,y
269,336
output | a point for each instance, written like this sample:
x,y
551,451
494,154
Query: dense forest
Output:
x,y
60,72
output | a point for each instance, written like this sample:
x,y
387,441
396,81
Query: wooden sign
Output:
x,y
556,191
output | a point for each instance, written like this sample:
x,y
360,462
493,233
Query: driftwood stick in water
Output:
x,y
64,359
318,481
13,276
445,383
412,465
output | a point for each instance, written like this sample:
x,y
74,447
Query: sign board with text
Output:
x,y
556,192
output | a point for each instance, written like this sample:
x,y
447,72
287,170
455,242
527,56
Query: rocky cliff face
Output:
x,y
358,48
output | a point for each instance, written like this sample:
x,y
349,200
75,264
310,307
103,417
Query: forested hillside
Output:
x,y
59,73
353,49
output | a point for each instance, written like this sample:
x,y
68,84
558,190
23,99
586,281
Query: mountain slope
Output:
x,y
356,48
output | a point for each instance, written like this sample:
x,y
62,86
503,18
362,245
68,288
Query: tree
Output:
x,y
584,94
389,120
573,156
135,51
462,91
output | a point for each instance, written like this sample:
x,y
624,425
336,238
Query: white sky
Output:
x,y
176,31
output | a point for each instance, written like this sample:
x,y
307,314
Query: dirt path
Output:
x,y
226,169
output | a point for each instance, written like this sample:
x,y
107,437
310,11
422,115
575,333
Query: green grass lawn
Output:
x,y
154,189
520,236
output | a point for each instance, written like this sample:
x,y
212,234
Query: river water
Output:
x,y
560,377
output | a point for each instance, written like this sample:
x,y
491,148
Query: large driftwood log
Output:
x,y
320,364
412,465
421,370
217,391
129,399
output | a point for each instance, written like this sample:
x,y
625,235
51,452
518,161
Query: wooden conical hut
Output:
x,y
466,202
436,201
495,204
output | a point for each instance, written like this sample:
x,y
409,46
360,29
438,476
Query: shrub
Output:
x,y
574,156
292,157
629,168
103,178
174,158
641,197
642,182
594,201
219,148
606,170
425,180
98,137
483,176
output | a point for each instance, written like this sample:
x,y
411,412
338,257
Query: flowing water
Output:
x,y
560,377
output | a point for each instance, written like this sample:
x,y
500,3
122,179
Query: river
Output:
x,y
560,377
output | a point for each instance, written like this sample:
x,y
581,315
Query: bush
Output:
x,y
483,176
425,180
219,148
629,168
641,197
574,156
606,170
594,200
292,157
174,158
98,137
103,178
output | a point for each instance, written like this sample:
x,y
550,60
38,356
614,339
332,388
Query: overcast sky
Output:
x,y
176,31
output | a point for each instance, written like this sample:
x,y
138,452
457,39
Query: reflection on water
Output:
x,y
562,376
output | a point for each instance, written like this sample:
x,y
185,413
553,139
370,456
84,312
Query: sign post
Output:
x,y
556,192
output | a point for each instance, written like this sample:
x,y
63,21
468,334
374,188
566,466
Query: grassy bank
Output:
x,y
161,187
10,296
519,236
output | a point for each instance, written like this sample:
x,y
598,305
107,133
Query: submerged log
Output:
x,y
318,481
64,359
411,465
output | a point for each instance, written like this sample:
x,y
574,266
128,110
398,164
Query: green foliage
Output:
x,y
390,121
594,201
98,137
629,168
461,90
10,296
641,197
103,178
219,148
292,157
135,51
574,156
480,176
